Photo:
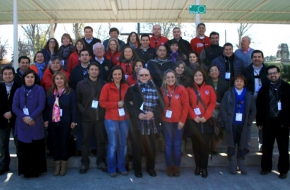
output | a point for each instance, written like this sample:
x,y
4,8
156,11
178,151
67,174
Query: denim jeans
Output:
x,y
173,141
117,132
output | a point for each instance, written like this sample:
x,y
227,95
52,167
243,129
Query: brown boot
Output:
x,y
63,168
176,171
169,171
57,167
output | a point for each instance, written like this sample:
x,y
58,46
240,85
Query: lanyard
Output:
x,y
26,95
170,96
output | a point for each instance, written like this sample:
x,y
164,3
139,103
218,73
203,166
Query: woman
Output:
x,y
39,64
220,86
128,56
60,118
50,49
174,54
116,120
182,73
137,65
113,52
53,66
65,50
194,61
238,110
28,104
74,58
133,41
202,100
173,119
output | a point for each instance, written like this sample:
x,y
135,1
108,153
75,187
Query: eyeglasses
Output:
x,y
274,73
144,75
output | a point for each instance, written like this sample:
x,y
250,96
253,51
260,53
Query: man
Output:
x,y
156,38
213,51
114,33
201,41
183,45
245,51
159,65
88,93
7,117
228,64
105,64
23,62
89,39
273,110
144,107
145,52
256,76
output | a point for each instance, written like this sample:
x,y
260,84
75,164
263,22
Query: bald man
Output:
x,y
245,52
156,39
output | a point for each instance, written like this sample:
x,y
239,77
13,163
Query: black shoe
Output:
x,y
94,152
204,173
197,170
3,171
138,174
83,170
264,172
102,166
282,176
152,173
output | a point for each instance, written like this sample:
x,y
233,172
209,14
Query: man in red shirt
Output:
x,y
201,41
156,39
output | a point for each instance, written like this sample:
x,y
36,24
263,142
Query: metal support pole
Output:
x,y
51,30
15,35
138,28
197,17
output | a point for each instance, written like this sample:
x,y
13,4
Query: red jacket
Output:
x,y
208,96
131,80
73,61
109,99
179,104
127,67
113,57
155,42
34,68
198,45
46,81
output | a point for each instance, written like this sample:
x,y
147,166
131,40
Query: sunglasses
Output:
x,y
144,75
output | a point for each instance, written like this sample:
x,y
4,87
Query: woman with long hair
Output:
x,y
127,58
133,41
113,51
65,50
74,58
50,49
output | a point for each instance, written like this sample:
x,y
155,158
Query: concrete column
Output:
x,y
15,35
51,31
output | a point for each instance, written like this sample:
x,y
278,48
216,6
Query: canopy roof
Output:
x,y
109,11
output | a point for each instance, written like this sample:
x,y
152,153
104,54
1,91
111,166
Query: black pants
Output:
x,y
88,128
200,147
142,145
59,134
277,131
237,133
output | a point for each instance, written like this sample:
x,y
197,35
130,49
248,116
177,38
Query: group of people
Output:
x,y
128,94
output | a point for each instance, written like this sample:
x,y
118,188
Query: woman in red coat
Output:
x,y
53,66
200,111
113,52
74,58
137,65
127,58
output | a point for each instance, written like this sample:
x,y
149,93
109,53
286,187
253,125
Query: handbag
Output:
x,y
213,121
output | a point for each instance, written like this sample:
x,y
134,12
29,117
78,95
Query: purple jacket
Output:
x,y
35,104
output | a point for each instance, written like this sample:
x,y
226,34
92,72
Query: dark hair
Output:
x,y
66,35
211,66
198,69
23,57
84,50
228,44
179,63
176,28
117,67
94,64
82,42
135,62
257,51
273,67
27,72
145,35
8,67
114,30
214,33
200,24
239,76
174,42
122,57
46,46
161,46
137,38
196,54
88,27
38,53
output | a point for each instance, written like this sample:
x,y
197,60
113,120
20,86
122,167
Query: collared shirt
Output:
x,y
246,51
8,88
258,82
101,62
89,40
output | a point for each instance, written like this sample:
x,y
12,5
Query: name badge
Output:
x,y
126,76
25,111
141,107
228,75
239,117
197,111
95,104
279,106
168,114
121,112
60,112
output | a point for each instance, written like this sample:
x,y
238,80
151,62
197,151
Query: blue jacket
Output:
x,y
35,104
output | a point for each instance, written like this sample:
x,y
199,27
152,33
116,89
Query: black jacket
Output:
x,y
222,87
183,45
6,104
76,76
105,68
263,108
208,54
248,72
89,46
146,56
